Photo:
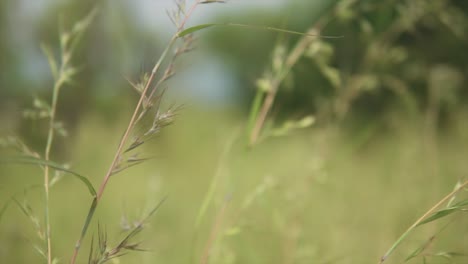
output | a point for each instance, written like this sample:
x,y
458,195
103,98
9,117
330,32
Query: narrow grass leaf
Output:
x,y
444,212
438,214
194,29
36,161
91,211
212,1
203,26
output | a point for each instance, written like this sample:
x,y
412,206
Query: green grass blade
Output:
x,y
203,26
36,161
438,214
281,30
444,212
194,29
213,1
89,217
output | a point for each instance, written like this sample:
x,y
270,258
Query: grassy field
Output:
x,y
320,195
354,149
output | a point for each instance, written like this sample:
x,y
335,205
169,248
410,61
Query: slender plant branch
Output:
x,y
142,97
130,127
50,138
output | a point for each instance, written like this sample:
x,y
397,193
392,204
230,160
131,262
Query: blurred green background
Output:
x,y
389,138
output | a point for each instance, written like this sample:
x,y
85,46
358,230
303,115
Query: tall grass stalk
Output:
x,y
144,97
50,138
62,76
136,112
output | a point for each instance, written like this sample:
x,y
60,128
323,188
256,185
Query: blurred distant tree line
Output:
x,y
407,56
403,55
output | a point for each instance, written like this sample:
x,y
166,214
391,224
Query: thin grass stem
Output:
x,y
50,138
214,232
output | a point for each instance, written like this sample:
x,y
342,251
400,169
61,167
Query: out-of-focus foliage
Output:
x,y
404,54
117,48
391,52
305,195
